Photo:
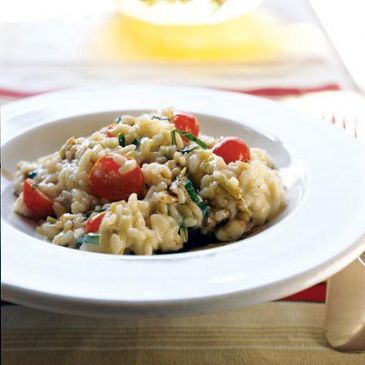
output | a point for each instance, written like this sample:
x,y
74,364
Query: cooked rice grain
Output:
x,y
240,195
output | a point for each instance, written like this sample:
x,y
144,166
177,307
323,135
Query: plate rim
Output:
x,y
10,291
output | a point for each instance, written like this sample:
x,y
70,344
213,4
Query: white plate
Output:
x,y
318,234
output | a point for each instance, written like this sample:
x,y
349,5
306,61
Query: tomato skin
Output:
x,y
187,123
107,130
93,223
107,182
39,204
232,149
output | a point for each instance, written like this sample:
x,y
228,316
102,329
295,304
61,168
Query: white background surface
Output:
x,y
43,48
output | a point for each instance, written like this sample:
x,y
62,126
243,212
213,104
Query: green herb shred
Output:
x,y
188,149
32,175
102,209
91,238
97,210
184,233
173,137
191,191
121,139
88,214
196,198
79,242
159,118
192,138
118,119
137,142
205,209
51,220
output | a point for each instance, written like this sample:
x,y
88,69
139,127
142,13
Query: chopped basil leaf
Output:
x,y
188,149
91,238
196,198
192,138
51,220
137,142
32,175
191,191
173,137
88,214
97,210
121,139
118,119
102,209
159,118
205,209
79,242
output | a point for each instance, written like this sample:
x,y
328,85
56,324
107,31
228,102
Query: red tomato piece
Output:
x,y
93,223
187,123
39,204
232,149
116,178
107,130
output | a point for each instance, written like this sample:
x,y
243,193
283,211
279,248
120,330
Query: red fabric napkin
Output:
x,y
270,92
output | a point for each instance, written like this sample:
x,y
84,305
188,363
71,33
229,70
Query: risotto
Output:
x,y
148,184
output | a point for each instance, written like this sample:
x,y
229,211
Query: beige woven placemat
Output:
x,y
271,333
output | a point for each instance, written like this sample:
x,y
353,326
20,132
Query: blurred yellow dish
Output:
x,y
185,12
249,38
